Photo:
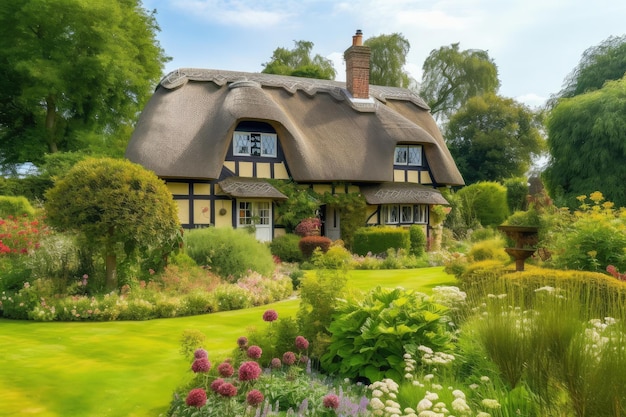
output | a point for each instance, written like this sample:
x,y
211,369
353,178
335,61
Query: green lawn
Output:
x,y
100,369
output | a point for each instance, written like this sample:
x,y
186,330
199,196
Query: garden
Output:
x,y
139,319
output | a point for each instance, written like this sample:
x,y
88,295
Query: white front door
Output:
x,y
258,214
331,223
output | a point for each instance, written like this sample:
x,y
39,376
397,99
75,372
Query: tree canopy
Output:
x,y
451,77
119,207
388,59
599,64
493,138
298,62
74,72
587,145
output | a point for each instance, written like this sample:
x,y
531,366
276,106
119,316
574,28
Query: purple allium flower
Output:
x,y
254,397
249,371
201,365
276,363
215,385
254,352
270,315
227,390
304,359
242,341
331,401
289,358
302,343
225,369
200,353
196,398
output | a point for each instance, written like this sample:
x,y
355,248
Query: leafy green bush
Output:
x,y
369,335
336,257
377,240
485,201
308,244
488,249
15,206
228,252
231,297
286,248
516,193
418,240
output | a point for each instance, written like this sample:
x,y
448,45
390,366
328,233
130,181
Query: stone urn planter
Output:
x,y
525,238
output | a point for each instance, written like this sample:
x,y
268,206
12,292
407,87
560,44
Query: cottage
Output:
x,y
220,138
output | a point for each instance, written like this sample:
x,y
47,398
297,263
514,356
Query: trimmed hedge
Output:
x,y
287,248
309,243
15,206
378,240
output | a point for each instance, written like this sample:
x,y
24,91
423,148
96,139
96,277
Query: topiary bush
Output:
x,y
309,243
418,240
488,249
287,248
377,240
228,252
336,257
486,202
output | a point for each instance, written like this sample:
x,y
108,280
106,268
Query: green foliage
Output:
x,y
493,138
15,206
301,203
228,252
586,136
387,60
68,83
31,187
336,257
379,239
484,201
119,207
298,63
488,249
369,335
309,244
352,213
452,77
529,217
516,193
286,248
418,240
190,340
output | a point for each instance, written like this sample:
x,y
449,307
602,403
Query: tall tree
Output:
x,y
298,62
451,77
493,138
599,64
388,59
73,71
587,145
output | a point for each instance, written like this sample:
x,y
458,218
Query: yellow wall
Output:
x,y
202,189
230,165
280,172
263,170
245,169
201,212
413,176
322,188
425,178
183,210
180,188
398,175
369,210
224,220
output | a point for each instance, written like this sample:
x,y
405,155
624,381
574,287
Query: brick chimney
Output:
x,y
358,67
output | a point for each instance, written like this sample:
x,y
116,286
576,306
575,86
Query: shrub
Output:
x,y
308,227
488,249
15,206
377,240
418,240
262,290
309,243
336,257
485,201
286,247
229,252
516,193
199,302
231,297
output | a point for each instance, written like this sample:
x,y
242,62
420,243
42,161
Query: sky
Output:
x,y
534,43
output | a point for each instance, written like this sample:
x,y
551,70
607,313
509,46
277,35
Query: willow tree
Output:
x,y
298,62
388,59
120,208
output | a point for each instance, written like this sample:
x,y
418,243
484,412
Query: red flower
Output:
x,y
331,401
242,341
302,343
201,365
215,385
225,369
196,398
200,353
254,397
227,390
249,371
276,363
289,358
254,352
270,315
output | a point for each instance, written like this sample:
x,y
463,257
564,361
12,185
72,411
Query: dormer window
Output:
x,y
254,144
408,155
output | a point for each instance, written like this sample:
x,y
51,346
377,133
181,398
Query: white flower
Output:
x,y
428,377
431,396
483,414
484,378
376,404
377,393
460,405
459,394
490,403
424,405
425,349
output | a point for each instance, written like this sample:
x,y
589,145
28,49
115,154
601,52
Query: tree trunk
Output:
x,y
51,118
111,272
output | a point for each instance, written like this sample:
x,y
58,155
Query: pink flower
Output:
x,y
200,353
276,363
249,371
302,343
196,398
242,342
215,385
304,359
225,369
254,397
227,390
201,365
270,315
331,401
254,352
289,358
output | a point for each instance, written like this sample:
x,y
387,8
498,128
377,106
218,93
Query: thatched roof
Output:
x,y
187,126
250,188
401,193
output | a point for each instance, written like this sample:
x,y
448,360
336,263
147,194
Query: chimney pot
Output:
x,y
357,59
357,40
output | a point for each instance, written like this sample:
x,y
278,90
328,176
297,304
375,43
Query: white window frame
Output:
x,y
402,155
418,213
265,149
406,213
253,213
